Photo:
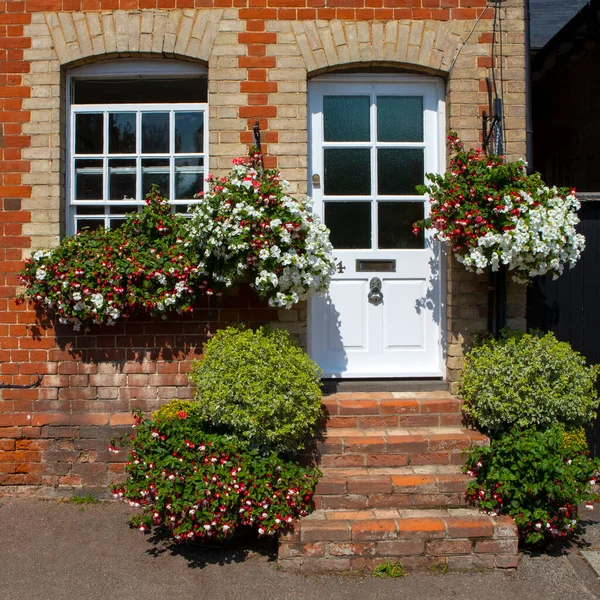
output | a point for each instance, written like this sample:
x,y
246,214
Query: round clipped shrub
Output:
x,y
260,387
540,478
528,380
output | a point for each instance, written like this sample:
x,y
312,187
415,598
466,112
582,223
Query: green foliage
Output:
x,y
172,410
528,380
532,476
83,500
389,569
201,485
259,387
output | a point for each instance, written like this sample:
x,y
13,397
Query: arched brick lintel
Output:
x,y
81,37
417,46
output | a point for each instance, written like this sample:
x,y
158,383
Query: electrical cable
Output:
x,y
469,36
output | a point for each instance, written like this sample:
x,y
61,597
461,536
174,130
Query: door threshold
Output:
x,y
336,386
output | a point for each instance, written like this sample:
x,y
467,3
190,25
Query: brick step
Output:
x,y
454,539
394,447
392,409
399,487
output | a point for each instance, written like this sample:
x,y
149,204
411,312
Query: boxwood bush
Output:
x,y
259,387
527,380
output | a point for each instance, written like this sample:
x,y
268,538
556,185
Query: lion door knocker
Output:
x,y
375,295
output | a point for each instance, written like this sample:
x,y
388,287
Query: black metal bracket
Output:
x,y
491,123
256,130
10,386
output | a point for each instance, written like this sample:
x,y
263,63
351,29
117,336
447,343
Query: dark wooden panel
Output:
x,y
570,306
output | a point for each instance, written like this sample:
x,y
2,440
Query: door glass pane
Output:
x,y
121,179
346,118
88,179
155,133
400,118
347,171
88,133
189,176
155,171
349,224
395,223
189,131
121,137
399,170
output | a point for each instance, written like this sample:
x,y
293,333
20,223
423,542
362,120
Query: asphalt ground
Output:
x,y
53,550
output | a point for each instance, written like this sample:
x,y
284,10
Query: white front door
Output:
x,y
372,140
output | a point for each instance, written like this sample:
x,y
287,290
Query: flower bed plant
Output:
x,y
201,485
491,213
527,380
259,387
99,276
536,478
247,225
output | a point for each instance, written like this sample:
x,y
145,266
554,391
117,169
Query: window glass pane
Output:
x,y
89,210
400,118
155,171
121,133
399,170
140,91
89,224
347,171
155,133
121,179
346,118
395,223
189,178
88,179
115,223
349,223
88,133
121,209
189,131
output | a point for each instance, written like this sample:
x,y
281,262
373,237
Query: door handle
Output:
x,y
375,295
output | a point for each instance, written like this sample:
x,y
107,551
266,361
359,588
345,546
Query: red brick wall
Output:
x,y
57,434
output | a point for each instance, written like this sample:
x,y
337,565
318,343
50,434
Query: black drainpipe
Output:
x,y
528,119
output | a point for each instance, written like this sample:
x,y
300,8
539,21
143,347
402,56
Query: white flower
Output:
x,y
40,274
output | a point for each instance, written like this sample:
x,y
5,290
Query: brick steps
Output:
x,y
392,488
456,539
396,447
400,487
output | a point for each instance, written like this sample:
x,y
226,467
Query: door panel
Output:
x,y
372,141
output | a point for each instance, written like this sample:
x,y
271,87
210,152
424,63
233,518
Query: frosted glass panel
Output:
x,y
121,138
347,171
399,170
349,223
395,223
346,118
400,118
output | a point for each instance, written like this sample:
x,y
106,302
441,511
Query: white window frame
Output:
x,y
127,69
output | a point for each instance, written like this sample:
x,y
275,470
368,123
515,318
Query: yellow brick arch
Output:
x,y
78,37
429,46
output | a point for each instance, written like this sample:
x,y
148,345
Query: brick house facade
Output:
x,y
260,57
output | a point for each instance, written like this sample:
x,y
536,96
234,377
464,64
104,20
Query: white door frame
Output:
x,y
412,84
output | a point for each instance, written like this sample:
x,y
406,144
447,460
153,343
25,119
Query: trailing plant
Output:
x,y
535,477
259,387
247,225
492,213
527,380
102,275
201,485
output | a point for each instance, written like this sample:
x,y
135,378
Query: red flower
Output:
x,y
182,414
